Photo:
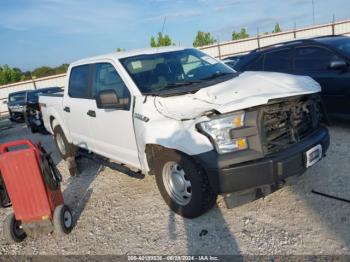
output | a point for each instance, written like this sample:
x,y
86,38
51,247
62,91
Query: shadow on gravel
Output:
x,y
210,234
331,176
78,192
207,234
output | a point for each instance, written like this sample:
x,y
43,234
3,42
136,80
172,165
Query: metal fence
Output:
x,y
237,47
220,50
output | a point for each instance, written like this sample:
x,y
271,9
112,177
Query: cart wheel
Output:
x,y
62,220
13,230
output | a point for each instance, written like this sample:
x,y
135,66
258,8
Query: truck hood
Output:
x,y
247,90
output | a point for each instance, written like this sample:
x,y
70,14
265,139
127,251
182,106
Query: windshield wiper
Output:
x,y
217,75
186,83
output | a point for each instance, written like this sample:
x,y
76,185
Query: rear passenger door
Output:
x,y
76,104
314,61
113,129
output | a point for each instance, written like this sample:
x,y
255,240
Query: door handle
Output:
x,y
67,109
91,113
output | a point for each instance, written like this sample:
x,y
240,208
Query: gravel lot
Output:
x,y
117,214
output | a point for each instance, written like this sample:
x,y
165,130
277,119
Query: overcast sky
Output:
x,y
52,32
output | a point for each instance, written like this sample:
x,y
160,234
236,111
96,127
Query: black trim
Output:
x,y
237,171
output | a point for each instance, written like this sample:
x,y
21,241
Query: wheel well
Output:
x,y
52,119
153,150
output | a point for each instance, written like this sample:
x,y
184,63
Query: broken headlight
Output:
x,y
218,130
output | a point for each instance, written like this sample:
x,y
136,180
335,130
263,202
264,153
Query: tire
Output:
x,y
12,229
196,195
64,148
11,117
33,129
62,220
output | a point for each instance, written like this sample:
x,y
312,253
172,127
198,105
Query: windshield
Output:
x,y
175,72
342,45
34,96
17,97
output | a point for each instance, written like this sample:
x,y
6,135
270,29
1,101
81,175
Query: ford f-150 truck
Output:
x,y
193,122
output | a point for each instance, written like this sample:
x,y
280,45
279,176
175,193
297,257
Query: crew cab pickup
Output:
x,y
190,120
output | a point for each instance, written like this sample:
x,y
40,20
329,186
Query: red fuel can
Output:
x,y
32,182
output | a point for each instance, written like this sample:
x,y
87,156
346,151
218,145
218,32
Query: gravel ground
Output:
x,y
117,214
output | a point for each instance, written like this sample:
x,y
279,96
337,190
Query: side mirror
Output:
x,y
108,99
338,64
4,102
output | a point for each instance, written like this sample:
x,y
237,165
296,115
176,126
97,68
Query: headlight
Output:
x,y
218,129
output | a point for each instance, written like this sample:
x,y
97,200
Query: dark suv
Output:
x,y
32,114
15,104
325,59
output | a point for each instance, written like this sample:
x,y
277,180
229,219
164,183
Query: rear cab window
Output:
x,y
79,82
17,97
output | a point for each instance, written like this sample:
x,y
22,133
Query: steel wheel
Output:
x,y
67,219
60,143
176,183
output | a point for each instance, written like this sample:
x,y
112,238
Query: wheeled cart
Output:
x,y
32,182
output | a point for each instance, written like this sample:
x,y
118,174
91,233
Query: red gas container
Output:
x,y
33,198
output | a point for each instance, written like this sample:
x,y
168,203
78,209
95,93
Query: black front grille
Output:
x,y
286,123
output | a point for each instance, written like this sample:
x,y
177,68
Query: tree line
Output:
x,y
205,38
10,75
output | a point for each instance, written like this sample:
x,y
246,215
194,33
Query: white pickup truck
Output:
x,y
197,125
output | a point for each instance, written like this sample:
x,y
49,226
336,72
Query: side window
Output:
x,y
190,62
256,65
106,77
79,82
278,61
312,58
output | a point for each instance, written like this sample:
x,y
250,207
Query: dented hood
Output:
x,y
246,90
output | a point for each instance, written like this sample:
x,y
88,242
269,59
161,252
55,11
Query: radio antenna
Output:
x,y
163,25
162,32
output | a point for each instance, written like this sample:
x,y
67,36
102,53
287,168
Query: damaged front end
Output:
x,y
284,123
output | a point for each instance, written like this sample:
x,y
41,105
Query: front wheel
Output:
x,y
64,147
13,230
183,185
62,220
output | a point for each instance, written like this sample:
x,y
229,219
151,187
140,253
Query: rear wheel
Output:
x,y
13,230
65,148
62,220
183,185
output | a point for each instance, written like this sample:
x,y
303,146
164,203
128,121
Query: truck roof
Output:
x,y
129,53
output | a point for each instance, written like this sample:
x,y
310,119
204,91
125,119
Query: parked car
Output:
x,y
32,109
190,120
325,59
15,104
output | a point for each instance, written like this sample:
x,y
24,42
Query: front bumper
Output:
x,y
226,177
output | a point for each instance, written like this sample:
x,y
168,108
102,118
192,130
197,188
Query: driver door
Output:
x,y
112,129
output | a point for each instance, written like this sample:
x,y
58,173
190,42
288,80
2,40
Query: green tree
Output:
x,y
277,28
119,49
240,35
10,75
203,38
161,40
43,71
61,69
